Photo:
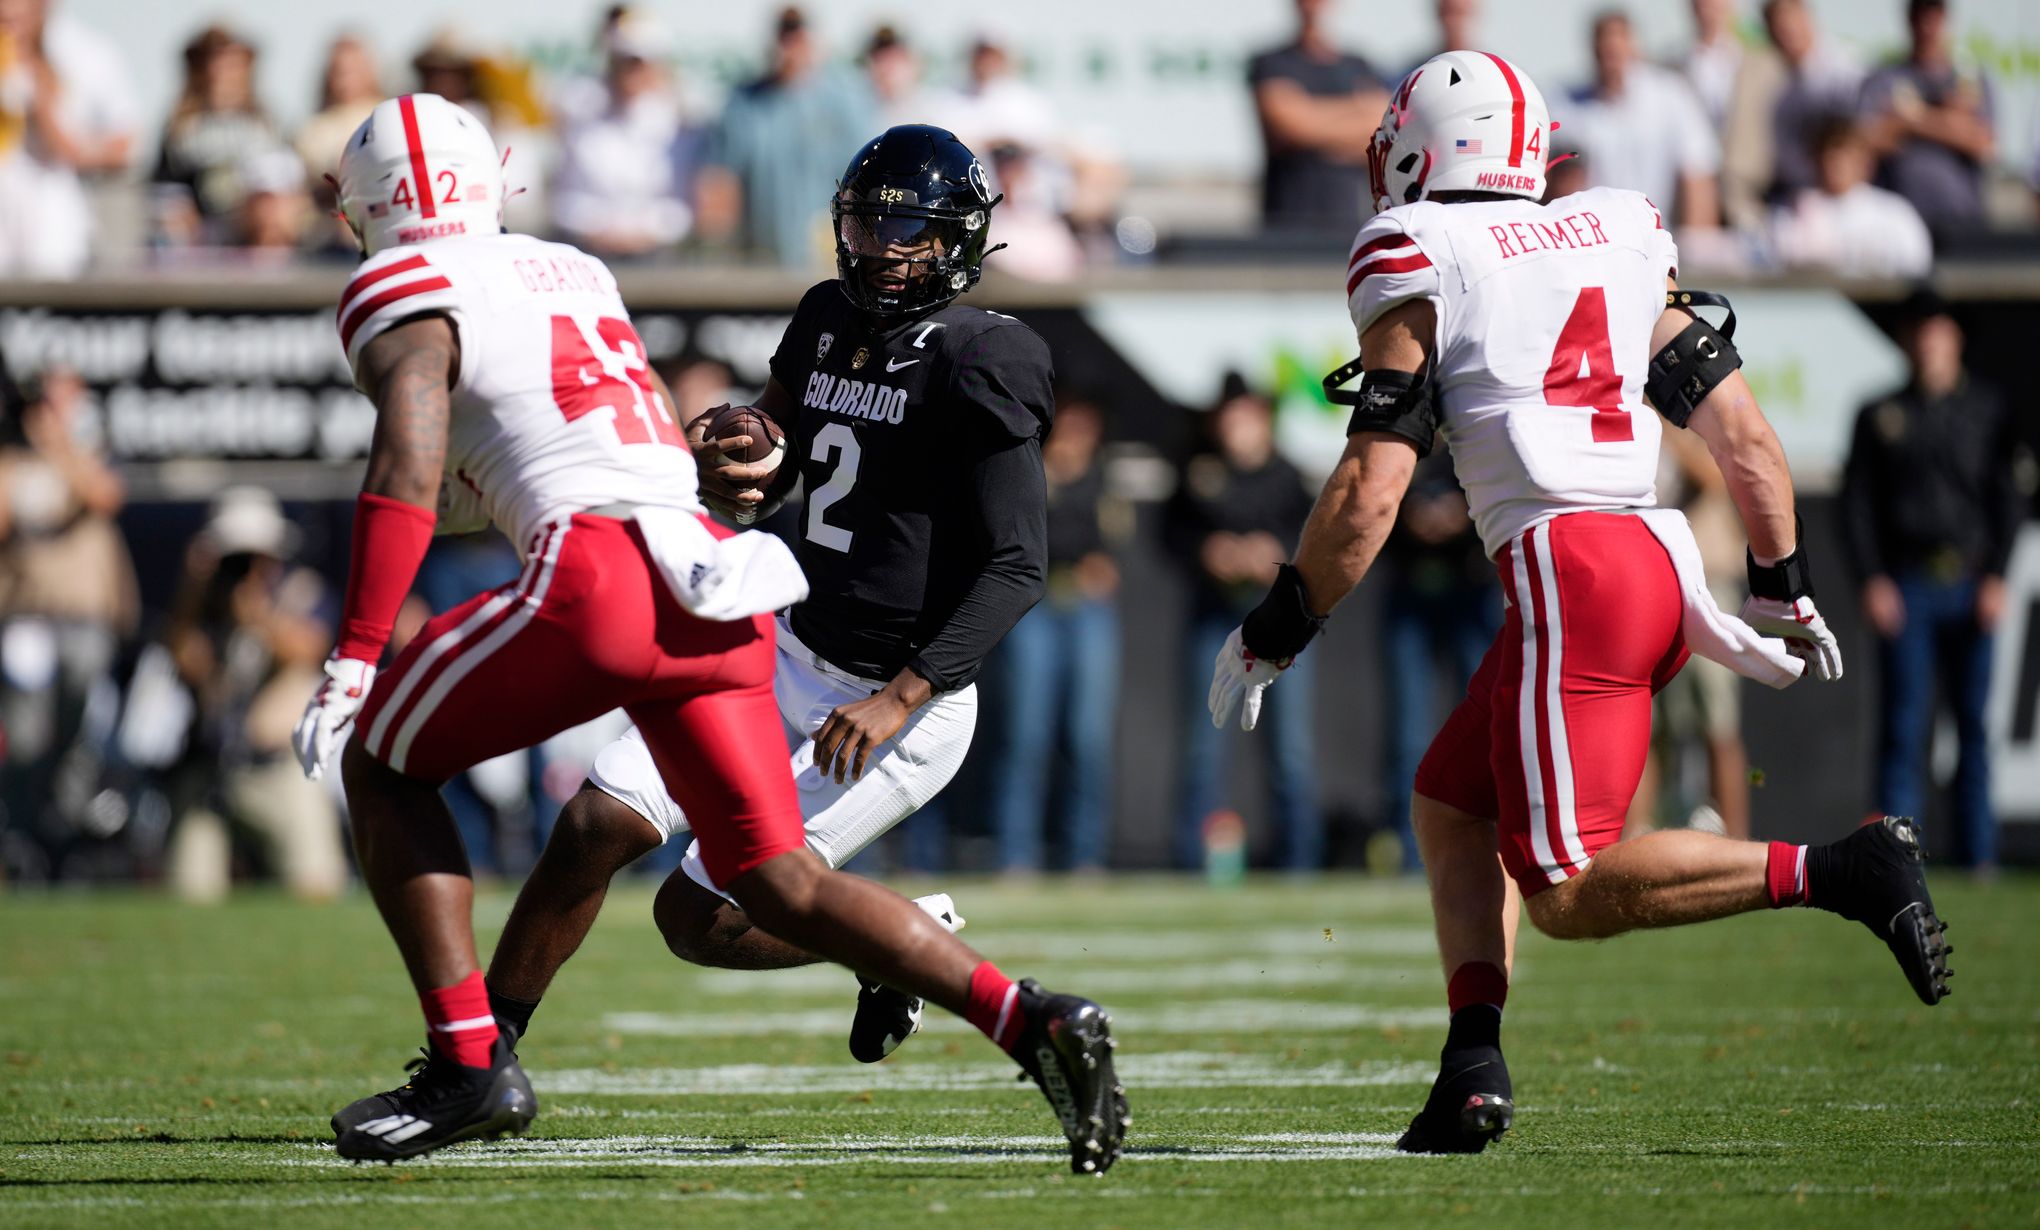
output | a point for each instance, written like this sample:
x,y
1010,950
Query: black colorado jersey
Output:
x,y
923,534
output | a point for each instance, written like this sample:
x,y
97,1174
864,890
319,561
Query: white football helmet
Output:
x,y
420,168
1462,121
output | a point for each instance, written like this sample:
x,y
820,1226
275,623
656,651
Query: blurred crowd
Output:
x,y
623,161
1765,143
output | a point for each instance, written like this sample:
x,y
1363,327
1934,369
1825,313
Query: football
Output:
x,y
768,443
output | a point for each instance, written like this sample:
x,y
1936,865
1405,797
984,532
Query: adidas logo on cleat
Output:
x,y
395,1128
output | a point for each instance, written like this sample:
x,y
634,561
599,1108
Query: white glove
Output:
x,y
1237,680
1804,632
331,712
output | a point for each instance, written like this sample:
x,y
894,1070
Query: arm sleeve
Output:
x,y
1001,380
796,352
1011,496
391,288
1386,267
1859,501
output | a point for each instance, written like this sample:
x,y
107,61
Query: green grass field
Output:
x,y
167,1065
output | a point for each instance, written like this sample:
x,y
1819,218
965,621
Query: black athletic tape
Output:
x,y
1787,580
1279,628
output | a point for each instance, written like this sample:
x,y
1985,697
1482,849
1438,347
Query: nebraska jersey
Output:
x,y
554,410
1544,320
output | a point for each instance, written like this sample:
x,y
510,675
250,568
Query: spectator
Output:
x,y
349,89
270,224
1235,517
1039,244
66,113
216,122
1847,225
1931,499
1639,126
1458,27
1701,708
894,72
1779,103
248,632
1318,108
627,156
1712,63
997,107
448,67
1058,669
1928,120
774,159
1440,609
67,592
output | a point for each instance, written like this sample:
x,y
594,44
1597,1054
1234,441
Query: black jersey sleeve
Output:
x,y
795,356
1011,502
1005,372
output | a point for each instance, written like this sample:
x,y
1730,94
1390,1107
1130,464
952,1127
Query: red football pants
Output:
x,y
586,628
1552,735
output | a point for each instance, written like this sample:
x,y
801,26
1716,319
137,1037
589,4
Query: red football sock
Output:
x,y
1785,875
458,1020
994,1006
1476,982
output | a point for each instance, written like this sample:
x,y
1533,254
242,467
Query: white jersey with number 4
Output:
x,y
1544,320
554,410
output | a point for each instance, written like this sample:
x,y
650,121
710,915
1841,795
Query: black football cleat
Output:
x,y
1471,1104
444,1103
1066,1046
885,1018
397,1101
1878,877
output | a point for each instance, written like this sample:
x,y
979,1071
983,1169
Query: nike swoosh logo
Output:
x,y
893,365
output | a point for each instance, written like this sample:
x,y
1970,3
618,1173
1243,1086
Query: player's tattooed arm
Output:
x,y
409,372
1358,505
1742,443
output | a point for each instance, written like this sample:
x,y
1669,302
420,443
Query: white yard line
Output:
x,y
1270,1015
1167,1070
1239,974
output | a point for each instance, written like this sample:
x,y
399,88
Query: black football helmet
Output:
x,y
912,213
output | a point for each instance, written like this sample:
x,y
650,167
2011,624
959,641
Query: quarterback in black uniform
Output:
x,y
914,425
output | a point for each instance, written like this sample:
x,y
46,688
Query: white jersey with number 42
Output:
x,y
1544,321
554,410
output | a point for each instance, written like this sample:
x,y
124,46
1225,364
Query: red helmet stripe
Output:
x,y
422,184
1517,106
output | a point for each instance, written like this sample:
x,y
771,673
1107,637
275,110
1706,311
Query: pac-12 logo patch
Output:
x,y
822,346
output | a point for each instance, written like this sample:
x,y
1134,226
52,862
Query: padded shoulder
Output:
x,y
1393,260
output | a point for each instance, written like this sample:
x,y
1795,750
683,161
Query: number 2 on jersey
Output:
x,y
617,378
1582,371
835,437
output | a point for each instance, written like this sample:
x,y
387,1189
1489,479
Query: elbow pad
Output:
x,y
1396,402
1693,363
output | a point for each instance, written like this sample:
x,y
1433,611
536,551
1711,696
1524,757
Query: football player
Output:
x,y
511,387
1529,336
916,431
